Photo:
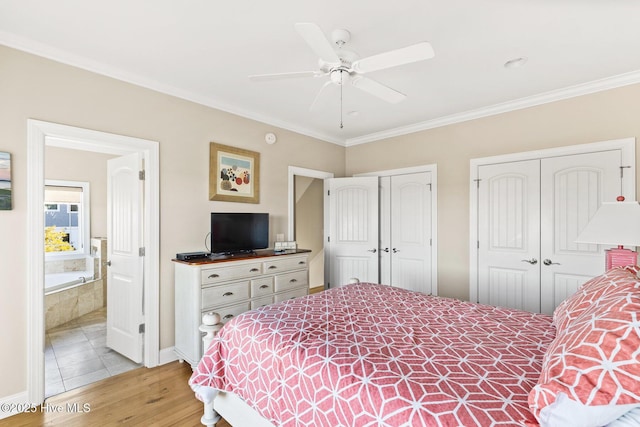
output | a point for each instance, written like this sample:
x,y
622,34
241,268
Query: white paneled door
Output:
x,y
529,215
509,235
410,240
125,272
353,229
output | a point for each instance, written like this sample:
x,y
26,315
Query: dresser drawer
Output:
x,y
284,264
214,296
290,295
261,287
228,313
222,274
295,279
261,302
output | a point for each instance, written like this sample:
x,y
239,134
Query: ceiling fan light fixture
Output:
x,y
515,62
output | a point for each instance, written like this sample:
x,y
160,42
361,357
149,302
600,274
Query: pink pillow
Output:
x,y
591,371
590,293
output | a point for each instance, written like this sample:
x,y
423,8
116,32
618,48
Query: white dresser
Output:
x,y
229,287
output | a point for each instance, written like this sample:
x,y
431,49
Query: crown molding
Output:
x,y
64,57
505,107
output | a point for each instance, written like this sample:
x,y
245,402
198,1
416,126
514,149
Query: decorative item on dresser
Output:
x,y
229,286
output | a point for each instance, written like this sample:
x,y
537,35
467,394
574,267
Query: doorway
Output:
x,y
39,135
306,217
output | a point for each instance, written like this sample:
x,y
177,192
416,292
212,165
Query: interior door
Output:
x,y
509,235
573,188
384,248
353,229
411,231
125,272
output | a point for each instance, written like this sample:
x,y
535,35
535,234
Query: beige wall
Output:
x,y
78,165
597,117
309,213
34,87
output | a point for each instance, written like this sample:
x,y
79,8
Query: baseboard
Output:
x,y
167,355
12,405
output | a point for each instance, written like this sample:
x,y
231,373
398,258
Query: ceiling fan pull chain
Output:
x,y
341,85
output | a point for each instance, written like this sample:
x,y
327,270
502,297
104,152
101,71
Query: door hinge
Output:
x,y
429,187
141,175
141,328
430,242
478,244
328,192
328,238
141,251
477,182
622,168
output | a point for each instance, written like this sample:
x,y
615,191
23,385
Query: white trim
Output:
x,y
16,401
39,134
64,57
433,169
293,171
167,355
505,107
626,145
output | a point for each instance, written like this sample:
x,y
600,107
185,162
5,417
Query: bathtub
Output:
x,y
56,282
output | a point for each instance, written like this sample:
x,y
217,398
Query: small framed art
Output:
x,y
234,174
5,181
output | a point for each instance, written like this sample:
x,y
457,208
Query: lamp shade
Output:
x,y
615,223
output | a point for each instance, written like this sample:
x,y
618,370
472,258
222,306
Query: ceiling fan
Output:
x,y
343,66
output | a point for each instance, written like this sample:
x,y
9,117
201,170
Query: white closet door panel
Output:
x,y
353,229
411,231
573,188
384,249
508,235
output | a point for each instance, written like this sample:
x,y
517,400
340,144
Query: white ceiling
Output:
x,y
204,51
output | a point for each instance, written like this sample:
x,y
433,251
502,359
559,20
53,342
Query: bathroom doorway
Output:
x,y
43,136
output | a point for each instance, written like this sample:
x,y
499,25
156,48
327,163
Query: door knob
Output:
x,y
531,261
385,249
109,263
549,262
395,250
374,250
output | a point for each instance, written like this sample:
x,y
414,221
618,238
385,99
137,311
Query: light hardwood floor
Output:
x,y
145,397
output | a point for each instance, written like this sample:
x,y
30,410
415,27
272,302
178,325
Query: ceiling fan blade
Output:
x,y
393,58
315,100
278,76
318,42
377,89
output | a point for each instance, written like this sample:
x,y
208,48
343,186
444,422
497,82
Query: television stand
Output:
x,y
229,285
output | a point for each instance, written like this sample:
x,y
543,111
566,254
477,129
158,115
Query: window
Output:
x,y
66,218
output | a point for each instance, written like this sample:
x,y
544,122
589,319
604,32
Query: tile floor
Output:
x,y
76,354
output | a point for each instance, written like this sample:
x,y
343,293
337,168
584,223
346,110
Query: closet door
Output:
x,y
509,235
573,188
353,229
410,249
384,249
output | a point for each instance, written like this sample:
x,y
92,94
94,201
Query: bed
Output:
x,y
373,355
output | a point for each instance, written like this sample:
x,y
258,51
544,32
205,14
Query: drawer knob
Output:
x,y
293,280
301,263
264,286
253,270
271,267
227,317
227,294
213,276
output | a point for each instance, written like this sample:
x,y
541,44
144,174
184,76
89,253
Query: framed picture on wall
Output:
x,y
5,181
234,174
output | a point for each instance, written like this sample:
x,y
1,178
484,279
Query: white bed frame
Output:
x,y
227,405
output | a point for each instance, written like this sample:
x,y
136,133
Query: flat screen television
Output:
x,y
239,232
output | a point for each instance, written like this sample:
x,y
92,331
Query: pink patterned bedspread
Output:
x,y
368,354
